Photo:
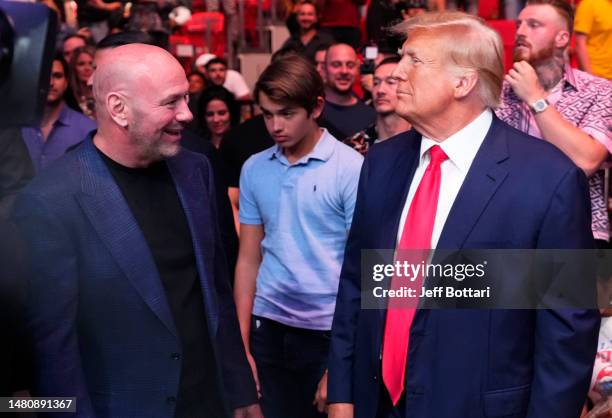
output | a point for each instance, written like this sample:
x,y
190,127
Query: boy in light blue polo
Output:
x,y
296,205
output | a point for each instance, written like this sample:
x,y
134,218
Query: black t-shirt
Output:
x,y
152,197
240,143
345,121
227,229
320,40
86,13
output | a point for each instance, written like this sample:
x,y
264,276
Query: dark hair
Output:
x,y
67,96
292,80
215,60
322,47
313,4
564,8
62,61
199,74
393,59
125,38
218,93
76,35
284,52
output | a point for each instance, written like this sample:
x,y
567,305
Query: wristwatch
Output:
x,y
539,106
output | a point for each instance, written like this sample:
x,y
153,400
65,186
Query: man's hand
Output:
x,y
254,370
116,5
524,81
340,410
85,32
320,399
251,411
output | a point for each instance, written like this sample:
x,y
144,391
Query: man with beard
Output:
x,y
544,97
344,114
219,75
309,39
61,127
129,306
388,123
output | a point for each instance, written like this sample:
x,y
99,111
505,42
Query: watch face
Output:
x,y
540,105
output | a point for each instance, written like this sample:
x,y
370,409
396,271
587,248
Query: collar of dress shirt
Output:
x,y
462,146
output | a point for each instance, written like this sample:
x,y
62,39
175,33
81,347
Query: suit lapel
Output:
x,y
189,182
397,181
485,176
108,212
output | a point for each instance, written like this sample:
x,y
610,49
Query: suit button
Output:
x,y
175,356
171,400
375,378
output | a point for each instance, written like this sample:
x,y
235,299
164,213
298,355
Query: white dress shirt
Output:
x,y
461,148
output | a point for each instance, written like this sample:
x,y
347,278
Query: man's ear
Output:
x,y
318,108
116,107
465,83
562,39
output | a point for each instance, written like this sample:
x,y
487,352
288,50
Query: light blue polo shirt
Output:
x,y
306,210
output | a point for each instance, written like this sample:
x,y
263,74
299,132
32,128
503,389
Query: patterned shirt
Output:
x,y
585,101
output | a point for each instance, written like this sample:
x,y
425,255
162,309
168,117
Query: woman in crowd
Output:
x,y
81,69
219,112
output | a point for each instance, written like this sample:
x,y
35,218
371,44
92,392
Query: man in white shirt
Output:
x,y
461,180
215,69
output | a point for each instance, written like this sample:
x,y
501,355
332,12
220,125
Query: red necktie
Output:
x,y
416,235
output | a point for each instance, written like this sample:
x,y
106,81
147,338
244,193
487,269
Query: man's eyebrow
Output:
x,y
283,109
173,97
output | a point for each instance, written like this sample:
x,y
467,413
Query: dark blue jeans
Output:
x,y
290,363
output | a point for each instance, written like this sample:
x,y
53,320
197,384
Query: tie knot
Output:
x,y
437,155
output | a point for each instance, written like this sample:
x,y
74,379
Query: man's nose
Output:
x,y
277,124
183,113
400,71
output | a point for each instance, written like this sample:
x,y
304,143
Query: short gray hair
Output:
x,y
470,44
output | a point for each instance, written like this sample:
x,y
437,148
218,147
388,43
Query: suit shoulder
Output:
x,y
61,177
536,152
188,157
345,152
399,143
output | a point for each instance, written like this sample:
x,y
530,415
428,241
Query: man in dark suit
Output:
x,y
129,304
461,179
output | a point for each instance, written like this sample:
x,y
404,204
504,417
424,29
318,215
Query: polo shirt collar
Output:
x,y
322,151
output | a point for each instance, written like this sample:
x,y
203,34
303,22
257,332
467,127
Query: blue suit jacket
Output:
x,y
101,325
519,193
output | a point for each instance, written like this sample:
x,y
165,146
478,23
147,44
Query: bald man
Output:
x,y
344,114
130,308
